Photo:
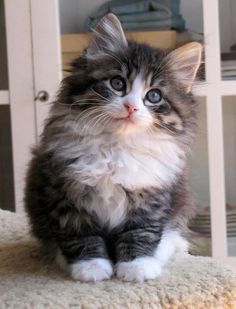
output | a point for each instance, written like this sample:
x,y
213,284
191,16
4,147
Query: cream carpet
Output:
x,y
27,280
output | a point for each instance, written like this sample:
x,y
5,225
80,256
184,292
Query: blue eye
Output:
x,y
118,83
155,99
154,96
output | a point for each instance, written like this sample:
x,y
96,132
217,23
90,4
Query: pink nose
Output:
x,y
130,108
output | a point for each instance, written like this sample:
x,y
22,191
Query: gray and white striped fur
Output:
x,y
106,186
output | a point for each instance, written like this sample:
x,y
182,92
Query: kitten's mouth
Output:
x,y
128,119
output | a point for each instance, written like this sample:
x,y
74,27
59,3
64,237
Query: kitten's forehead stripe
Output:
x,y
144,58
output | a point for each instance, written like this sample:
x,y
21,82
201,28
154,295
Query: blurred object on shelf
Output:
x,y
228,64
142,14
233,48
201,231
228,56
228,69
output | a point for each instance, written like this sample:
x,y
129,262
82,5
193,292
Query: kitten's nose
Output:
x,y
131,108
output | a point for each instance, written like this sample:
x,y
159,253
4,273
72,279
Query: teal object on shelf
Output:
x,y
142,14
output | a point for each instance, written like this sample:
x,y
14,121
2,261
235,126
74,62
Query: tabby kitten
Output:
x,y
106,186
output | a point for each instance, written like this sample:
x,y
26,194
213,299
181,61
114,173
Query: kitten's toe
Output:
x,y
139,270
96,269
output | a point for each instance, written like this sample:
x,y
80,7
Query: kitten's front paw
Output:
x,y
91,270
139,270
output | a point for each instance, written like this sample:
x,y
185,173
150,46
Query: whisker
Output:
x,y
95,121
86,113
100,120
101,96
90,112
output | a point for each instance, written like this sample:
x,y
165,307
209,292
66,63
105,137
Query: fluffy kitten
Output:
x,y
106,185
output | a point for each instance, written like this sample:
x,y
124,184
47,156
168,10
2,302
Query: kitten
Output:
x,y
106,185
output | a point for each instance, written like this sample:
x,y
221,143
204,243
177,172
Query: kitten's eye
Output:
x,y
118,83
154,96
155,99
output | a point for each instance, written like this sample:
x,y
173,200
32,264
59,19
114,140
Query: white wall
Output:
x,y
192,13
199,165
73,13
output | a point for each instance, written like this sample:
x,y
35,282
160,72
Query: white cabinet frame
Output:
x,y
21,89
4,97
214,90
46,40
33,54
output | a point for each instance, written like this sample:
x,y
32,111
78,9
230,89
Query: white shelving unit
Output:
x,y
34,64
214,90
27,63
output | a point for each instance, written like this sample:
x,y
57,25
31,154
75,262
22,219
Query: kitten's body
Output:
x,y
106,188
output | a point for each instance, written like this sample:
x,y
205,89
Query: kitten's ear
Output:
x,y
184,63
108,35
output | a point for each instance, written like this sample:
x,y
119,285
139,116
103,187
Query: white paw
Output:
x,y
140,269
91,270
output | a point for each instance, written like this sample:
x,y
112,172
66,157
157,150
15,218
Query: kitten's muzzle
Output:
x,y
131,108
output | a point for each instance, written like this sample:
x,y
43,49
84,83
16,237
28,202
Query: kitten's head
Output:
x,y
125,87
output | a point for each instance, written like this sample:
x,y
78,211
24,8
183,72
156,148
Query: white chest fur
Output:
x,y
134,163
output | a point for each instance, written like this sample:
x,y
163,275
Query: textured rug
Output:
x,y
27,280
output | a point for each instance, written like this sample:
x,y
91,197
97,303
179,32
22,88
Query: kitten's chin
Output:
x,y
129,125
129,128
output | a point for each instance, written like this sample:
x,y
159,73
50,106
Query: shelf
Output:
x,y
73,44
224,88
